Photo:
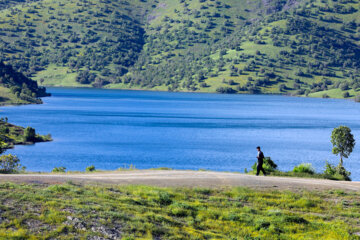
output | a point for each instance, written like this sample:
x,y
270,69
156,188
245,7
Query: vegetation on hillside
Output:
x,y
304,47
296,50
70,211
11,135
98,40
15,88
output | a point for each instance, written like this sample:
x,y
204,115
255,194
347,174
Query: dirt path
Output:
x,y
165,178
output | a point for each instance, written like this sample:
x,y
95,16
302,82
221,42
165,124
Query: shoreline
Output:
x,y
199,92
165,91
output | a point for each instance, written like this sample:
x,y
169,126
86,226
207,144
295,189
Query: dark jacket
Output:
x,y
261,158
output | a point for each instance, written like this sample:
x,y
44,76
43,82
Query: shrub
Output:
x,y
29,134
59,170
269,165
304,168
10,164
164,199
340,169
329,169
90,168
225,90
336,173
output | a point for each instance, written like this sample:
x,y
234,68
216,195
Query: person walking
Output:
x,y
260,158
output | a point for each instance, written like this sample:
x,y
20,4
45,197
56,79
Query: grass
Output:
x,y
334,93
70,211
56,76
7,98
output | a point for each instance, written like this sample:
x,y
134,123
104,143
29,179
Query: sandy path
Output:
x,y
167,178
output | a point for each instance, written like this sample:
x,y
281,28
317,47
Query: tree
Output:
x,y
9,164
343,142
29,134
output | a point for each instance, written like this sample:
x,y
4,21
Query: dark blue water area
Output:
x,y
114,128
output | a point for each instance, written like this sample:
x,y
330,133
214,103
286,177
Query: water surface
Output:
x,y
114,128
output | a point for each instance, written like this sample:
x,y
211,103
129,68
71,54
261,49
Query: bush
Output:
x,y
90,168
164,199
269,165
29,134
336,173
329,169
10,164
304,168
225,90
59,170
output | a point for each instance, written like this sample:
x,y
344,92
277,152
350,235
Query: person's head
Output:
x,y
258,148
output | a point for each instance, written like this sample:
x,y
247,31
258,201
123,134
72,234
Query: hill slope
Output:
x,y
298,47
15,88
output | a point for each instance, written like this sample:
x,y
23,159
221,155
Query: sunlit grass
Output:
x,y
141,212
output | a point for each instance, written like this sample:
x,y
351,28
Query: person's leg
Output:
x,y
258,170
263,170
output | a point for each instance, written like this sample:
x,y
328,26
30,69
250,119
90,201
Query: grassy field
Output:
x,y
70,211
56,76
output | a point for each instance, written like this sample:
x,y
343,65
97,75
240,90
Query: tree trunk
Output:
x,y
341,159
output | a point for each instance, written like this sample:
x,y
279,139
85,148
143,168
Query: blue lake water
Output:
x,y
114,128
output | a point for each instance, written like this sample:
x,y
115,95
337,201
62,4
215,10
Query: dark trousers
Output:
x,y
260,168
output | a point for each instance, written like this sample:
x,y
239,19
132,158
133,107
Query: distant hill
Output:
x,y
299,47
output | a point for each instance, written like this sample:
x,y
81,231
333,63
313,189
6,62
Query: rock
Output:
x,y
76,223
110,233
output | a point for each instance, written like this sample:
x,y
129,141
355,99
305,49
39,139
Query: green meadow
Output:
x,y
71,211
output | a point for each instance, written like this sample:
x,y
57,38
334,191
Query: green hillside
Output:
x,y
303,47
15,88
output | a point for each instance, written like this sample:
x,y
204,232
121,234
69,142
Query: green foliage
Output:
x,y
304,168
269,165
330,169
29,134
336,173
24,89
164,198
10,164
101,39
12,135
3,147
299,47
90,168
59,170
69,211
343,142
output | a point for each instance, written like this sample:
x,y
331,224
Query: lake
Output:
x,y
114,128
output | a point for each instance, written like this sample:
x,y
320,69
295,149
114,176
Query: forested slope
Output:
x,y
15,88
302,47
